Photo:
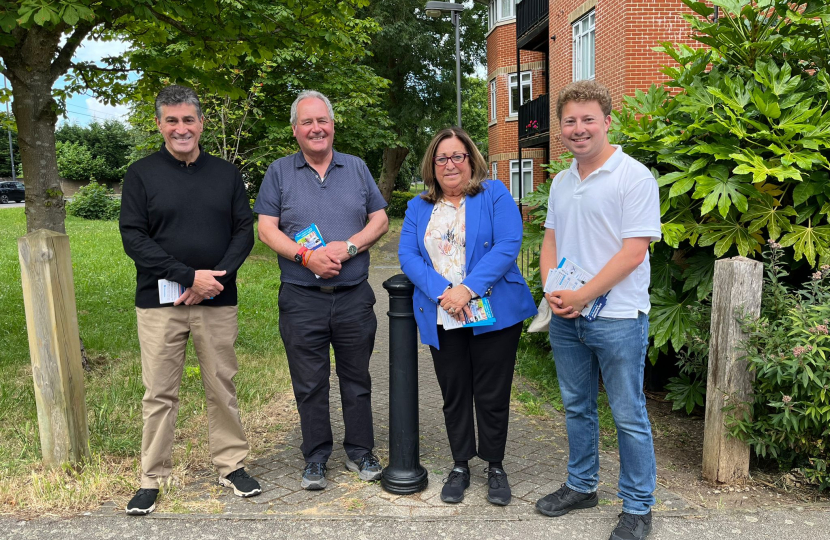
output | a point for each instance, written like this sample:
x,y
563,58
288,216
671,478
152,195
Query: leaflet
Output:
x,y
482,315
570,276
311,238
169,291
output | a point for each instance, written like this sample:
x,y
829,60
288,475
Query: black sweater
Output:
x,y
178,218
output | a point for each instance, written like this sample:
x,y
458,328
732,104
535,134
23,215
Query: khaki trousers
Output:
x,y
163,334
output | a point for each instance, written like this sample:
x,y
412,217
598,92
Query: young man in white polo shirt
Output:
x,y
603,213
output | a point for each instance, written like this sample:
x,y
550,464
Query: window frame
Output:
x,y
580,40
493,101
495,170
496,12
527,167
511,78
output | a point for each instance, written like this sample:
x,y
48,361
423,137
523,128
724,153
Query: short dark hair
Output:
x,y
582,91
176,95
478,167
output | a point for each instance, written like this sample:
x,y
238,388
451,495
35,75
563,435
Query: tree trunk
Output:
x,y
35,112
392,161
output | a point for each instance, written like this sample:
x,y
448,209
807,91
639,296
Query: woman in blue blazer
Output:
x,y
460,240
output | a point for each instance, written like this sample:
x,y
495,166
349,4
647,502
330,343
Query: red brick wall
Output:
x,y
503,135
626,32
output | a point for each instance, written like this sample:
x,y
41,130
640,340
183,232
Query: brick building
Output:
x,y
560,41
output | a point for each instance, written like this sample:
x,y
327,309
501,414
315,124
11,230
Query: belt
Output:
x,y
330,289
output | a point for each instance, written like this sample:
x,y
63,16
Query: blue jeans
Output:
x,y
617,348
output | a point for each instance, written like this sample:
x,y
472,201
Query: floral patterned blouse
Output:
x,y
446,241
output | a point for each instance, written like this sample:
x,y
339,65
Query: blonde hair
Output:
x,y
582,91
478,167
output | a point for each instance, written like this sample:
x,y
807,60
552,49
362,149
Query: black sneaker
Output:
x,y
241,482
314,476
632,527
455,484
563,500
367,468
143,502
499,491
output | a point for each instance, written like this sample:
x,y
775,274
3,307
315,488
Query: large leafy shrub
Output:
x,y
76,163
94,201
789,417
739,139
398,202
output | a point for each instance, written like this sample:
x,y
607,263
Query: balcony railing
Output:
x,y
529,14
534,117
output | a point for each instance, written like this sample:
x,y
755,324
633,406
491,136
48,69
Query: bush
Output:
x,y
94,201
789,417
75,162
398,202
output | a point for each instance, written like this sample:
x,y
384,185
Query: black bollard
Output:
x,y
404,474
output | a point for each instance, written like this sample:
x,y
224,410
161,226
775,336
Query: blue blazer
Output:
x,y
494,238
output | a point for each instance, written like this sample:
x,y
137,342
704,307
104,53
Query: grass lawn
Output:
x,y
104,289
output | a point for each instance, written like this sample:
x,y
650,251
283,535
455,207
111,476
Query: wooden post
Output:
x,y
736,292
54,345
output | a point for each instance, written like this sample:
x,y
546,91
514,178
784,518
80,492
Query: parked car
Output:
x,y
12,191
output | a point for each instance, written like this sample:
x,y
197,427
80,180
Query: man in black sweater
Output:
x,y
187,223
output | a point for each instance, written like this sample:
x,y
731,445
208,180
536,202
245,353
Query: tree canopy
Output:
x,y
38,40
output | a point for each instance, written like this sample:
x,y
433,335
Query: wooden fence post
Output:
x,y
736,291
54,345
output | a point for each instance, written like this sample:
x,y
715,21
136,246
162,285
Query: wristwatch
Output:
x,y
351,248
298,258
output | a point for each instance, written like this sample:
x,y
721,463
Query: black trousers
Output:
x,y
476,369
310,322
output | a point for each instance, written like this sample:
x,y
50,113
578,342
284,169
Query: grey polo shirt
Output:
x,y
339,205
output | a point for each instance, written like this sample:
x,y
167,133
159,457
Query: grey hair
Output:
x,y
309,94
177,95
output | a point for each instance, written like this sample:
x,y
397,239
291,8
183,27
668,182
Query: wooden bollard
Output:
x,y
54,346
736,292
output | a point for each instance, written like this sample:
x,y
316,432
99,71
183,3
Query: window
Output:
x,y
583,47
527,177
501,10
516,97
495,171
492,100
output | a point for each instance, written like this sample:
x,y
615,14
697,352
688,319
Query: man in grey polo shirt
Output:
x,y
324,297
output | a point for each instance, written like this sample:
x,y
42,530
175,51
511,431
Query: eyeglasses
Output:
x,y
456,158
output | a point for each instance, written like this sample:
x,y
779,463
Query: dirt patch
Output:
x,y
678,444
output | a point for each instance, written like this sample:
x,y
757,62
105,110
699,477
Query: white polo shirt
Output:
x,y
592,216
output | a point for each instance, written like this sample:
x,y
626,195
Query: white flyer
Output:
x,y
569,276
169,291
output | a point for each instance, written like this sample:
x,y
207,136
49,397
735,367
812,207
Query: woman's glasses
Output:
x,y
456,158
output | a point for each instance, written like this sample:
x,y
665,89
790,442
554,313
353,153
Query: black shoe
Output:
x,y
499,492
563,500
143,502
241,482
314,476
632,527
455,484
367,468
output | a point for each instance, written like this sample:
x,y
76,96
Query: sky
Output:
x,y
85,109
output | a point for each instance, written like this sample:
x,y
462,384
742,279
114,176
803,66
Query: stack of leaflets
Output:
x,y
569,276
169,291
482,315
311,238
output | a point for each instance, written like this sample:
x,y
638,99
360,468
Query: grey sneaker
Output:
x,y
241,482
368,468
143,502
314,476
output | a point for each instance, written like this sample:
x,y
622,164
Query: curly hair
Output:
x,y
478,166
582,91
176,95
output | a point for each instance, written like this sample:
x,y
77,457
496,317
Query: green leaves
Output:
x,y
808,242
669,318
718,188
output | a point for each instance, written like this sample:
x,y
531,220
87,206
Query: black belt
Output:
x,y
330,289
